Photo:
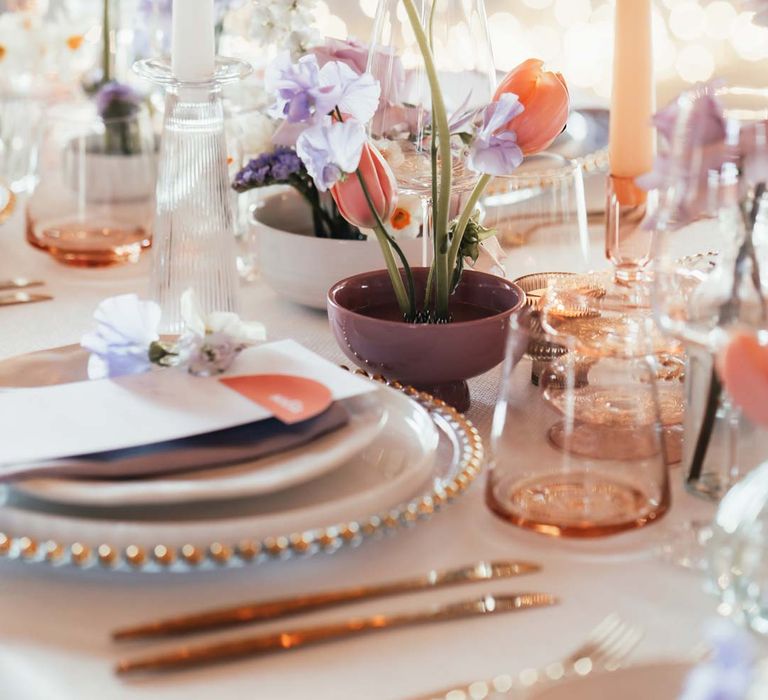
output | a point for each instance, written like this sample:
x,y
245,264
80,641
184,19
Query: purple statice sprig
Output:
x,y
118,105
282,166
116,100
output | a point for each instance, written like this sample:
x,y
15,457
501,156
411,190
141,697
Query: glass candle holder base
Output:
x,y
627,243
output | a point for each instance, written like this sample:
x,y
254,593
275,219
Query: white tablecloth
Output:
x,y
55,624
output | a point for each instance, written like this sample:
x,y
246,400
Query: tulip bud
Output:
x,y
544,95
380,183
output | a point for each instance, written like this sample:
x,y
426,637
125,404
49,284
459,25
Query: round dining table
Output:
x,y
55,623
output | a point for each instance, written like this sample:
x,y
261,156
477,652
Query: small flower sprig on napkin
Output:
x,y
126,338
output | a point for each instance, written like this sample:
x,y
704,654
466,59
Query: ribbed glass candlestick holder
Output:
x,y
194,236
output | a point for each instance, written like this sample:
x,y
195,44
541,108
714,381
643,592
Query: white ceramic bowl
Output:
x,y
302,267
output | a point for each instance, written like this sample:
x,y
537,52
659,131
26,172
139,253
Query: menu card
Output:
x,y
108,414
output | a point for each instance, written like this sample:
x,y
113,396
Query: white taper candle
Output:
x,y
192,40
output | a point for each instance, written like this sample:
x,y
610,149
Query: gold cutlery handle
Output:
x,y
186,656
274,609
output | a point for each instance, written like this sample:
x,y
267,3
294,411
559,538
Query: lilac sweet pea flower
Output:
x,y
120,344
330,150
297,86
702,127
494,150
356,96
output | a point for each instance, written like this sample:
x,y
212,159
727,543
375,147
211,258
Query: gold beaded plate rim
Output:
x,y
217,555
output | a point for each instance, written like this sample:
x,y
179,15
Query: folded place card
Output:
x,y
108,414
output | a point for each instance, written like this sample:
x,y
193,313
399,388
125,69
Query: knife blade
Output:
x,y
273,609
241,647
19,283
22,298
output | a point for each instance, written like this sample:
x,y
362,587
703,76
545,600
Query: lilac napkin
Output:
x,y
222,447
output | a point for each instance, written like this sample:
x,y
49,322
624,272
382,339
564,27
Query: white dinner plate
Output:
x,y
657,681
423,456
390,469
253,478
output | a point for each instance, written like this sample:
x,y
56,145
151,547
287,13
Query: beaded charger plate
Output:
x,y
374,493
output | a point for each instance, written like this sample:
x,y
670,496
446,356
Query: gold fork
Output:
x,y
606,647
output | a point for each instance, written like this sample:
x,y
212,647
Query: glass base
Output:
x,y
577,504
90,244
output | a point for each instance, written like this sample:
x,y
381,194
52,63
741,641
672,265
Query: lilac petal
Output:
x,y
125,328
500,155
355,95
295,84
331,149
497,114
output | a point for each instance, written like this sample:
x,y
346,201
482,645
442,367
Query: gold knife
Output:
x,y
19,283
22,298
273,609
241,647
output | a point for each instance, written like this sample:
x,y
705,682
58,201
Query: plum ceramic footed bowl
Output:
x,y
437,358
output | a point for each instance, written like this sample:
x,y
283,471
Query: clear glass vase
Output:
x,y
194,230
461,46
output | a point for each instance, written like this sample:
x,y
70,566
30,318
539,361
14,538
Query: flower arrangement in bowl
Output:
x,y
303,238
436,312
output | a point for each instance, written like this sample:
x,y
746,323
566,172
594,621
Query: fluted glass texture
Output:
x,y
194,225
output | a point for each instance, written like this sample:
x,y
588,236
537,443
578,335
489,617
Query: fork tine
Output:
x,y
631,640
618,647
596,639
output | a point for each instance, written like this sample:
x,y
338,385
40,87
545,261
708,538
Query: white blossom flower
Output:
x,y
211,342
406,219
285,23
125,328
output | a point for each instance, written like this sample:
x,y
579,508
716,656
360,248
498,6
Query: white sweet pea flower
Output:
x,y
211,342
125,328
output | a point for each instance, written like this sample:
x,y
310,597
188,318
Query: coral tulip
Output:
x,y
544,95
380,183
744,369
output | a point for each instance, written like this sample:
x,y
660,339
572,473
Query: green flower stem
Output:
x,y
106,54
406,300
440,128
430,276
431,25
461,225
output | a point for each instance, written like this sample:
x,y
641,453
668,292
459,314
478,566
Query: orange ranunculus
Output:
x,y
380,183
544,95
744,369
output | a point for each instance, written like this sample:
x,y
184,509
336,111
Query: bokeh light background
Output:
x,y
694,40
